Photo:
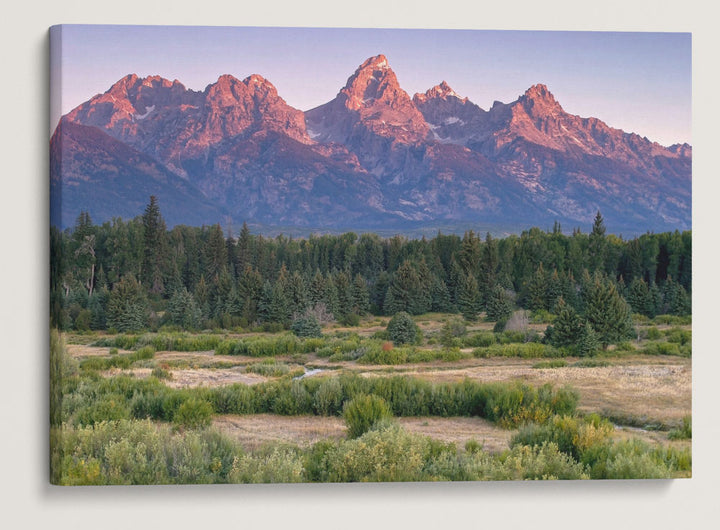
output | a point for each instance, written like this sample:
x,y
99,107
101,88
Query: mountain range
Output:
x,y
372,158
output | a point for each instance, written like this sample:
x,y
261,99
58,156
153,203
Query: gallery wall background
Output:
x,y
28,498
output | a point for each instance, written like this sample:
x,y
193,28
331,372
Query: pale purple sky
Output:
x,y
638,82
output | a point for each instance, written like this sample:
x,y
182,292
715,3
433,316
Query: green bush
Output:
x,y
664,348
557,363
452,330
142,354
571,435
268,369
109,407
539,462
193,414
385,354
529,350
364,411
328,398
684,432
505,403
479,340
591,363
627,459
272,466
402,329
678,336
513,404
83,320
140,452
385,453
161,373
673,320
350,320
542,316
625,346
654,333
453,354
306,326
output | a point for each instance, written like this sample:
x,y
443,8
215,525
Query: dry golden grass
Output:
x,y
255,430
461,430
652,437
195,377
651,389
83,350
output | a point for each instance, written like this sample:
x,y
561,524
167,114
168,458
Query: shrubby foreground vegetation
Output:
x,y
136,288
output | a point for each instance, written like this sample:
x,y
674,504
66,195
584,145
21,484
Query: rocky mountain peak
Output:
x,y
374,63
229,91
373,82
538,100
441,91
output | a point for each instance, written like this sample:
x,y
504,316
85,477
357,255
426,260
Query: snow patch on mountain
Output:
x,y
148,110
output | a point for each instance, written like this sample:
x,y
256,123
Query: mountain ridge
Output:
x,y
375,156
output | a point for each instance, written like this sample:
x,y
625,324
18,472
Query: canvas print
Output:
x,y
342,255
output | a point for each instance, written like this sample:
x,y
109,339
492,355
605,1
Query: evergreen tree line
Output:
x,y
123,274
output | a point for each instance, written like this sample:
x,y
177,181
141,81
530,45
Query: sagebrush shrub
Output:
x,y
193,414
364,411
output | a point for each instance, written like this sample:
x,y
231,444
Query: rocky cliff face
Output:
x,y
569,165
371,157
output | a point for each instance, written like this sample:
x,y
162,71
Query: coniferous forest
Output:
x,y
133,275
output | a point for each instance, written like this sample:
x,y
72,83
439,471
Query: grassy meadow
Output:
x,y
459,402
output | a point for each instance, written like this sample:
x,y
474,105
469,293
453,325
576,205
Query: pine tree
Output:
x,y
330,295
215,255
343,287
440,297
220,290
243,256
155,254
250,287
84,243
306,326
567,327
360,295
676,301
402,329
182,310
235,303
265,302
127,308
470,252
202,298
499,306
406,292
489,263
469,301
297,294
554,290
97,304
537,290
640,299
316,289
588,341
378,293
597,245
606,311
